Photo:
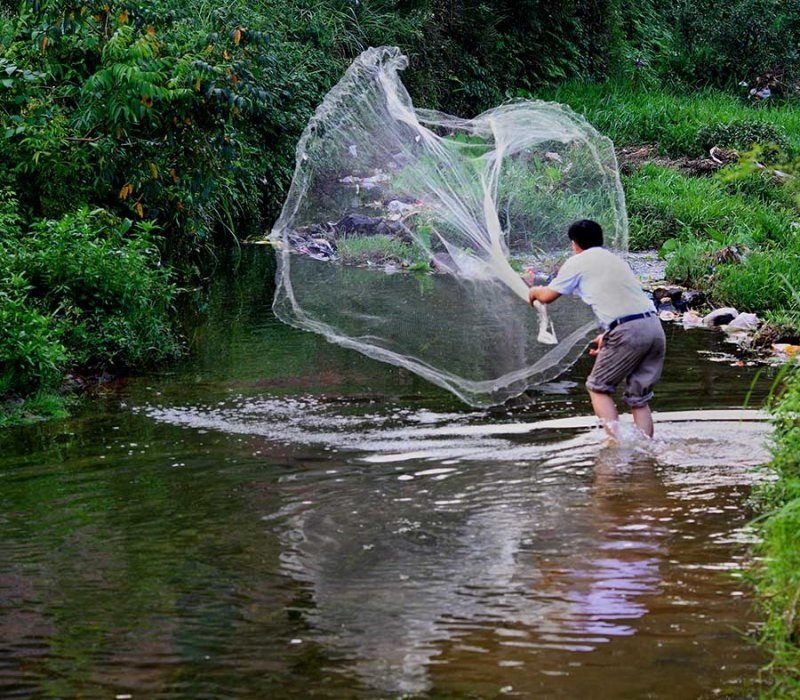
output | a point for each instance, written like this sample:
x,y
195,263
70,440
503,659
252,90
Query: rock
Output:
x,y
395,206
672,292
693,298
442,262
361,225
720,317
665,305
316,248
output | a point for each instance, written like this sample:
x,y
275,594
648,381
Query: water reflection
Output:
x,y
442,537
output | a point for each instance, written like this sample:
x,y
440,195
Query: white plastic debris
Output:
x,y
691,319
744,322
711,319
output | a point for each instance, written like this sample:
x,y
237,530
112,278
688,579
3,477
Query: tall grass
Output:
x,y
380,250
664,203
671,118
778,575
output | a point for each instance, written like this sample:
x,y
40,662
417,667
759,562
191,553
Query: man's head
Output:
x,y
586,234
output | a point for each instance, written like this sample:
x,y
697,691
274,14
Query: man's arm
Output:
x,y
542,294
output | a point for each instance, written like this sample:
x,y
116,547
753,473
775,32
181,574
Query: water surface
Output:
x,y
279,517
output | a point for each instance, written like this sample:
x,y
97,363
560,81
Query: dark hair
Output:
x,y
586,233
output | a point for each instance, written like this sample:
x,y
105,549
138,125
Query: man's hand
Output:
x,y
598,341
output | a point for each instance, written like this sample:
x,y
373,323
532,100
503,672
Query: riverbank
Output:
x,y
777,572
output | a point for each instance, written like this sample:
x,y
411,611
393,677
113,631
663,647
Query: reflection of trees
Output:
x,y
401,569
111,577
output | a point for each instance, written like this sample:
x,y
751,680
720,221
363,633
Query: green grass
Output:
x,y
380,250
664,203
672,119
43,405
777,576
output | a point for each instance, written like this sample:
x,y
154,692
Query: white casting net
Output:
x,y
406,233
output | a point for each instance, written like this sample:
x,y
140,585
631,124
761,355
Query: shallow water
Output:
x,y
279,517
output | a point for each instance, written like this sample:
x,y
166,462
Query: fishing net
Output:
x,y
406,232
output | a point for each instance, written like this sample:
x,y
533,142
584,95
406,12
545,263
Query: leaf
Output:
x,y
669,246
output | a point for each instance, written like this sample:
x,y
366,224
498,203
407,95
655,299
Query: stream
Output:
x,y
278,517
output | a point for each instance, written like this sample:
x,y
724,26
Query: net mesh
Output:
x,y
407,232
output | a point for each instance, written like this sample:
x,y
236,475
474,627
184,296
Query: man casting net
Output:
x,y
406,232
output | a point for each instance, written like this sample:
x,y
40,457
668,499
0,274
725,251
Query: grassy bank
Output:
x,y
777,576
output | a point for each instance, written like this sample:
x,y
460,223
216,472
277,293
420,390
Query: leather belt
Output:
x,y
632,317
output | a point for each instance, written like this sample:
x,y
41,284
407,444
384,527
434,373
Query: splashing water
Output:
x,y
381,186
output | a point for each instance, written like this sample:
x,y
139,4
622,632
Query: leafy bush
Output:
x,y
721,43
85,290
31,353
171,112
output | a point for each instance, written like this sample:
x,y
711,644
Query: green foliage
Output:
x,y
31,352
689,261
86,290
380,250
721,43
675,118
42,405
763,282
777,576
155,110
663,203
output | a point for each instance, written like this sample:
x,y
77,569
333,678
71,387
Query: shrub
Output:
x,y
721,43
101,277
31,353
84,290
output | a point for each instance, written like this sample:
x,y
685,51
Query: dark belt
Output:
x,y
632,317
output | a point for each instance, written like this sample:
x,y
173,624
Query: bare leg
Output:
x,y
606,410
643,419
